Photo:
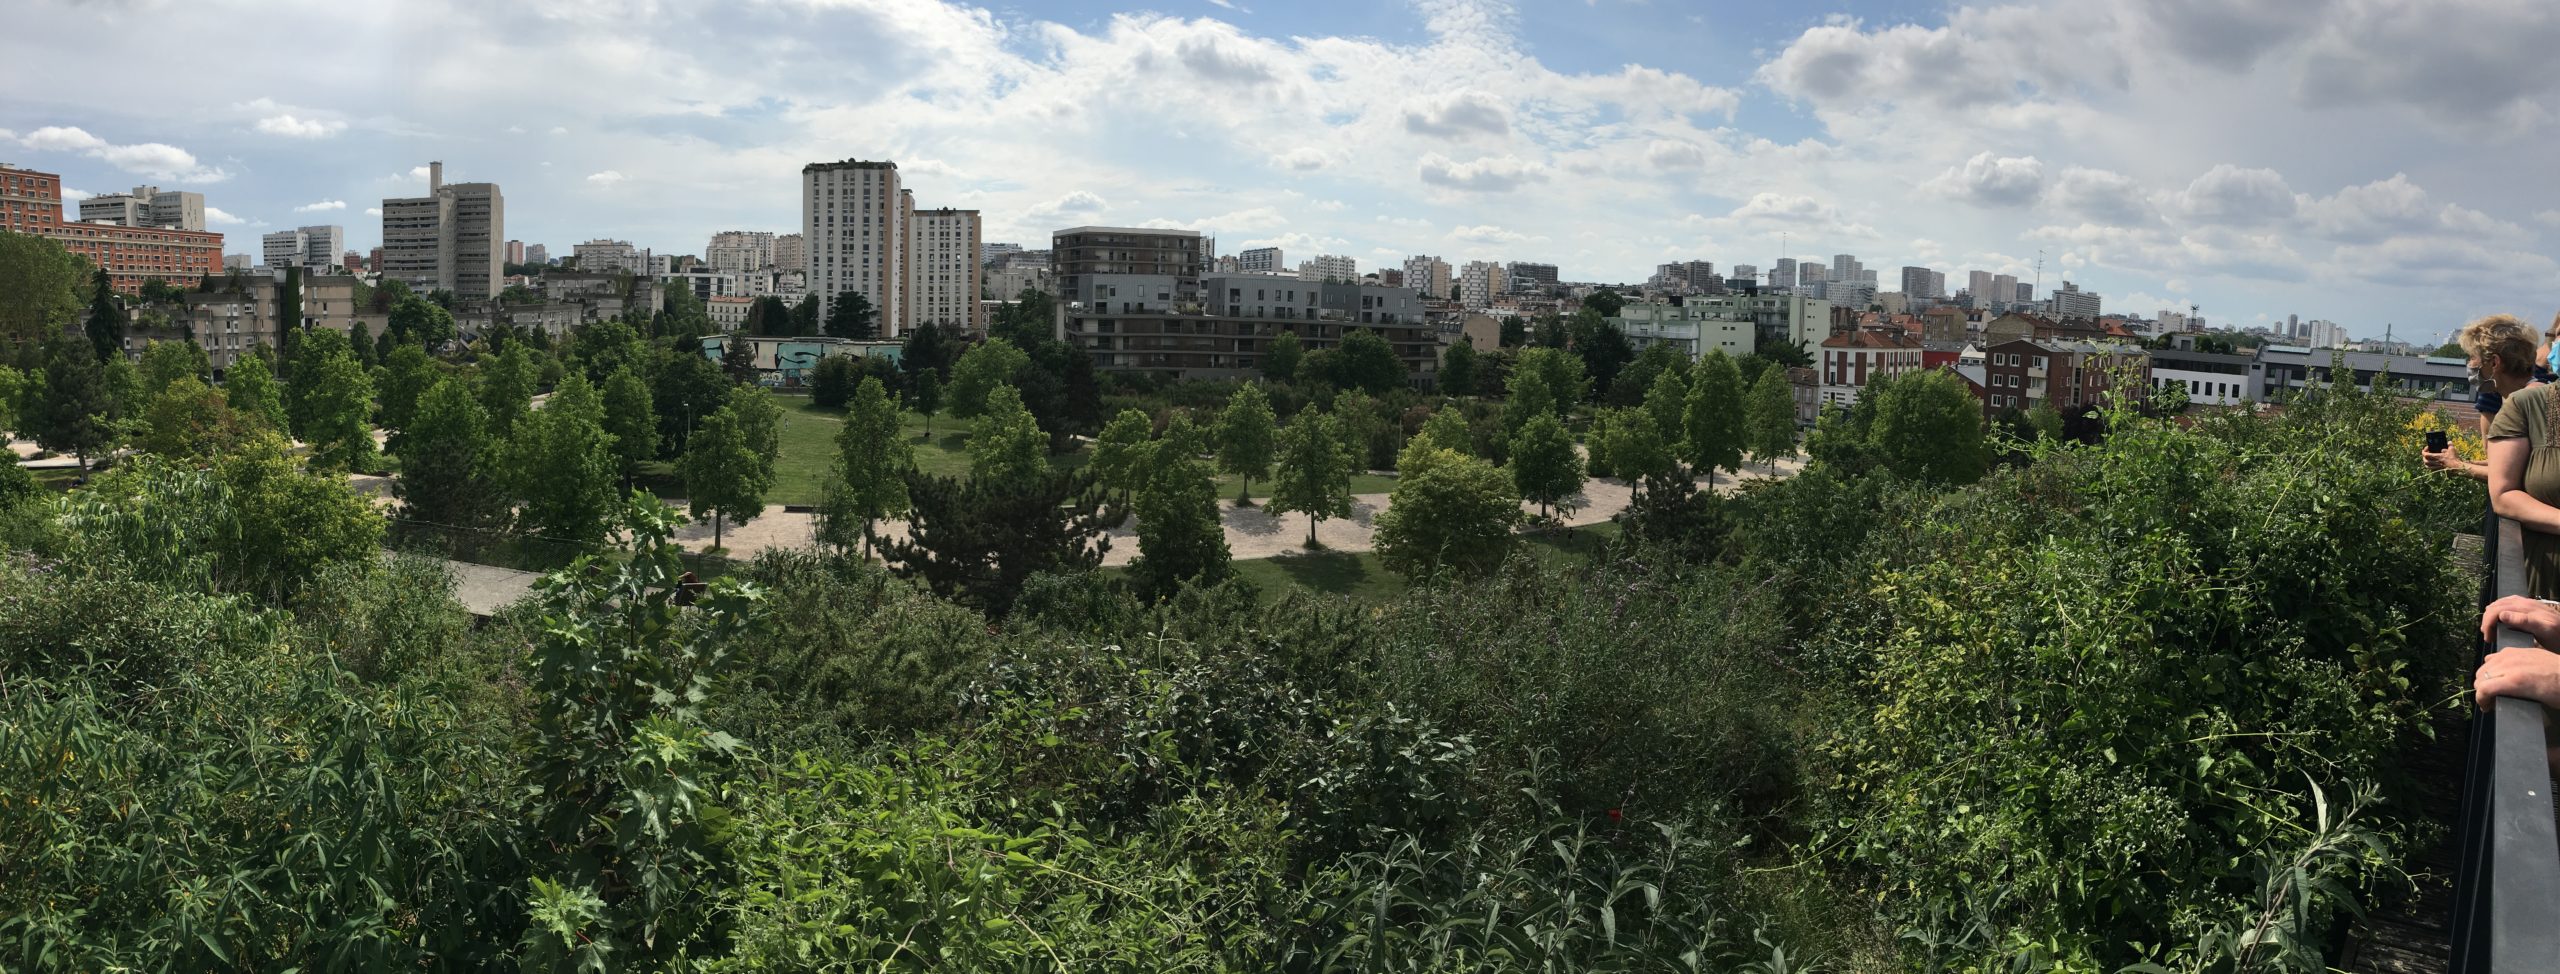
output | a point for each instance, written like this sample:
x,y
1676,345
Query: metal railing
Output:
x,y
2506,907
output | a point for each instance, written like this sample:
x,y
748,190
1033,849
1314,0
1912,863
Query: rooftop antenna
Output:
x,y
2039,282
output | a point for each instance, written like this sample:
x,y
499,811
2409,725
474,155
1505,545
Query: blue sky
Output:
x,y
2347,159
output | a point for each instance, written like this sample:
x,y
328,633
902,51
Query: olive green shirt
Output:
x,y
2528,414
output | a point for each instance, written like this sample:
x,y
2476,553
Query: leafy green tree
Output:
x,y
75,415
1633,447
981,369
873,458
681,314
251,389
1603,349
1548,331
558,464
291,523
167,362
1062,391
1531,397
1368,437
106,317
1455,516
926,397
1713,423
507,382
42,282
1027,321
188,420
1180,540
1005,444
414,320
851,316
1445,429
1246,435
1120,453
1314,471
684,387
1458,368
630,418
1605,301
1928,428
447,459
832,381
1515,332
360,341
15,389
1281,359
928,349
1544,466
1771,426
337,404
978,540
406,374
1365,361
291,323
1668,401
723,476
804,316
767,316
1562,373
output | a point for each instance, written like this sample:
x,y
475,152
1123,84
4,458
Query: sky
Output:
x,y
2379,163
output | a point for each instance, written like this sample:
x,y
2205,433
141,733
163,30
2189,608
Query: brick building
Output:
x,y
31,202
1850,361
2071,376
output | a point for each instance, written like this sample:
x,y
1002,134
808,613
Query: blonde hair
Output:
x,y
2505,337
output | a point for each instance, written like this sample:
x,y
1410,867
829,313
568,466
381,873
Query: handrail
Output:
x,y
2508,885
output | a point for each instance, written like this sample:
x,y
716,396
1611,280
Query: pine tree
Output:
x,y
1713,422
738,359
873,459
851,316
1314,471
978,540
1544,467
74,413
1772,417
1245,437
1120,453
1006,444
106,317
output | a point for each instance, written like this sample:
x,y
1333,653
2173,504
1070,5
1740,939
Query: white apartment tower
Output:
x,y
854,218
1259,260
1429,275
451,239
314,249
146,206
1478,282
1330,267
739,251
943,271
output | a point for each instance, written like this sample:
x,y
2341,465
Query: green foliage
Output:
x,y
250,387
927,349
982,368
1601,347
873,458
684,387
1120,453
1369,438
42,281
167,362
334,402
1005,445
1928,427
1446,429
631,419
1713,424
1770,416
850,655
558,465
255,522
75,414
1246,435
1453,517
975,541
414,320
447,460
1365,361
105,324
1544,466
1180,539
1281,359
1458,368
507,382
407,373
851,315
832,381
725,476
188,421
925,397
1628,445
1026,321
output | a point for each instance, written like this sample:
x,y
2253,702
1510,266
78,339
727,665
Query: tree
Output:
x,y
167,362
506,388
761,417
106,317
721,474
1563,372
1548,331
1314,471
1531,397
1180,540
1928,428
926,397
832,382
989,364
251,389
558,464
1515,333
1712,425
1458,368
187,420
337,404
1364,361
978,540
360,341
768,316
75,414
289,523
685,387
851,316
1633,448
680,314
1455,516
1544,466
873,459
290,325
1602,348
632,421
1006,444
1245,437
1367,435
928,349
1771,424
1280,360
447,458
1027,321
1445,429
41,281
1605,301
1120,453
1668,402
804,316
738,359
406,374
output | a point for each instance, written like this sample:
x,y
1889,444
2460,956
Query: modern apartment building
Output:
x,y
314,249
1429,275
1478,282
1522,276
944,275
1693,327
1260,260
515,251
740,250
611,255
791,253
537,254
1132,298
31,202
854,217
235,318
146,206
451,239
1915,284
2071,302
1330,267
1783,273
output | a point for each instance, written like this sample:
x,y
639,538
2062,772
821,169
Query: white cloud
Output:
x,y
1492,174
2097,194
606,179
153,159
1305,158
1076,202
76,194
1456,115
373,211
1232,5
215,215
322,205
1990,180
1489,234
295,127
1665,154
2228,194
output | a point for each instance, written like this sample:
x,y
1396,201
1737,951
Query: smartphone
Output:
x,y
2436,441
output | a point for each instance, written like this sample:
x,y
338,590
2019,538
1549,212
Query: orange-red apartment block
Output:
x,y
31,202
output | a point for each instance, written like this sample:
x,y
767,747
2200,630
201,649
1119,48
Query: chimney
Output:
x,y
435,177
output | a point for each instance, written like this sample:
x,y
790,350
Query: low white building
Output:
x,y
1849,362
1694,328
729,311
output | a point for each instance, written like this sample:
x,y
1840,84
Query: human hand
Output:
x,y
2439,459
2533,617
2523,672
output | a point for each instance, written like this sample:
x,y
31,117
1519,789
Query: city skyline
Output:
x,y
2158,157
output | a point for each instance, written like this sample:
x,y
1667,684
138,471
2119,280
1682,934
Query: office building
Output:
x,y
146,206
1330,267
791,253
451,239
1744,272
537,254
1811,275
1783,273
1938,285
1523,276
2026,293
944,271
1477,283
2004,290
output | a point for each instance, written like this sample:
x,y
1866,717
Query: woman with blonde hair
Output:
x,y
2524,471
2502,352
